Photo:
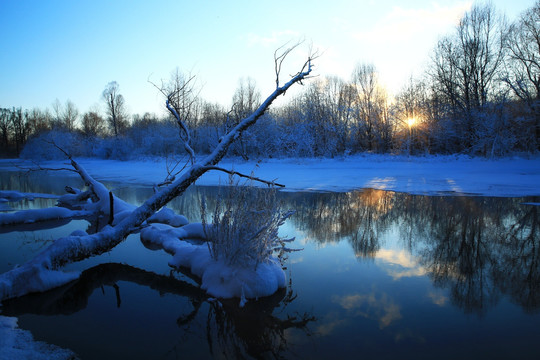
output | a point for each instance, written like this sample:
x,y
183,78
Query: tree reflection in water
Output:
x,y
518,270
231,331
478,247
358,217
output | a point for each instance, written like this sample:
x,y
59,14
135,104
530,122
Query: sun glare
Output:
x,y
411,122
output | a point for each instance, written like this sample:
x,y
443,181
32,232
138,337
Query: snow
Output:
x,y
16,343
429,175
167,216
34,215
21,281
10,195
217,278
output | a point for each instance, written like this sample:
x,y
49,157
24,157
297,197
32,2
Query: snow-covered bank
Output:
x,y
16,343
432,175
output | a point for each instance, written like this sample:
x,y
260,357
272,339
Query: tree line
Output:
x,y
479,95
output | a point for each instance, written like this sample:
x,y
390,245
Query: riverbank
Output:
x,y
427,175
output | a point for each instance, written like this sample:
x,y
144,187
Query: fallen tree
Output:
x,y
42,272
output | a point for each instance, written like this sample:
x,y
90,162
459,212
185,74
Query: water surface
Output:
x,y
381,275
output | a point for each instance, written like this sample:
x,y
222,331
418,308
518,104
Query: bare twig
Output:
x,y
51,142
184,128
279,57
251,177
171,173
38,167
180,100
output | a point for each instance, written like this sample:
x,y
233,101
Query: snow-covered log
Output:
x,y
103,205
72,205
41,273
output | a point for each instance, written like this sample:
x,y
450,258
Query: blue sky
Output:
x,y
72,49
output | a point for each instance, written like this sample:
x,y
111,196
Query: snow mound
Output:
x,y
218,279
17,343
167,216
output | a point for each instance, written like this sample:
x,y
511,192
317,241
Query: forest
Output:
x,y
479,95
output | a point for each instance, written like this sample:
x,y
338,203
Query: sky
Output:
x,y
70,50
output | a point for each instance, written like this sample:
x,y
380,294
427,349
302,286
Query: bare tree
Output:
x,y
5,129
38,120
27,277
20,128
480,35
465,67
115,108
523,74
182,102
65,116
70,115
414,125
370,108
93,124
245,100
182,92
57,112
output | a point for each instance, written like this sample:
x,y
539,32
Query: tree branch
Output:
x,y
251,177
184,128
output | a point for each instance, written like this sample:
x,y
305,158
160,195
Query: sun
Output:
x,y
411,122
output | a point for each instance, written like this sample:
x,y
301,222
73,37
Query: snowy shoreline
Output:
x,y
425,175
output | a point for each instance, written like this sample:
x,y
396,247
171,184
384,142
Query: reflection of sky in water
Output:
x,y
379,271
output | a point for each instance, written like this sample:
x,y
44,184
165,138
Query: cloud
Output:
x,y
371,306
438,299
407,23
330,323
400,42
275,39
408,265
